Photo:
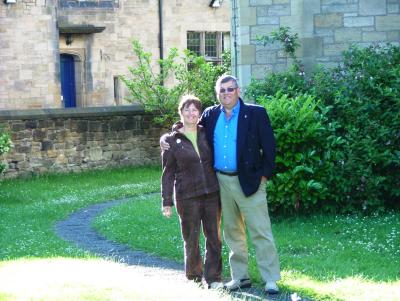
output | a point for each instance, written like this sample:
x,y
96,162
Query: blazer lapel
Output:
x,y
243,124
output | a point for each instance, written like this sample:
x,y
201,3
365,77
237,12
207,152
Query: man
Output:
x,y
244,153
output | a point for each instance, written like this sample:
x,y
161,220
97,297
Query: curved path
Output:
x,y
77,230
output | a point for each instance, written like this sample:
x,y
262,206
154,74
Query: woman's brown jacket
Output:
x,y
184,172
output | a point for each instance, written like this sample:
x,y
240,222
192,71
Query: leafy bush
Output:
x,y
291,83
191,74
199,76
147,87
365,99
300,161
5,144
361,102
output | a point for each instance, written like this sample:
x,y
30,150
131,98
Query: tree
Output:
x,y
192,74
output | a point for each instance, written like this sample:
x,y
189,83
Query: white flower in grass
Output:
x,y
178,141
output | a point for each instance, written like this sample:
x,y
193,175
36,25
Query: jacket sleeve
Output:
x,y
267,142
168,175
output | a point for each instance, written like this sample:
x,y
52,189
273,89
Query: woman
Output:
x,y
188,172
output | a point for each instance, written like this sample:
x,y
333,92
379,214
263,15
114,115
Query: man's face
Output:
x,y
228,94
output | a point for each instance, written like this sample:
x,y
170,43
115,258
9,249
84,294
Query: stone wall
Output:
x,y
57,140
325,29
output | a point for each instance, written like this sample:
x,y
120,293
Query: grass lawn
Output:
x,y
323,256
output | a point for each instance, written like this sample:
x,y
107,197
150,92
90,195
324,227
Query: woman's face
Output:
x,y
190,114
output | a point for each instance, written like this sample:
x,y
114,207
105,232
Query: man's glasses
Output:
x,y
230,90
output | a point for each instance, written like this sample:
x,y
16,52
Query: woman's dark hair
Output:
x,y
187,100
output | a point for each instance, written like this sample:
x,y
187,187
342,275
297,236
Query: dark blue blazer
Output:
x,y
255,143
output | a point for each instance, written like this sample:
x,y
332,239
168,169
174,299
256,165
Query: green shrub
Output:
x,y
300,161
190,74
5,144
291,83
147,86
365,97
361,102
199,76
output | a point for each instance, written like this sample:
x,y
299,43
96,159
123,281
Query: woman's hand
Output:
x,y
167,211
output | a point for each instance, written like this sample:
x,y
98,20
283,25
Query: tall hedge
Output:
x,y
360,100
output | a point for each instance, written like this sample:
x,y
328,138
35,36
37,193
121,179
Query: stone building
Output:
x,y
325,28
69,53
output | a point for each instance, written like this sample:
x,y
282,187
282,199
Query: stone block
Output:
x,y
39,134
31,124
347,35
95,154
59,123
23,165
279,10
372,7
280,67
21,135
333,2
328,20
47,145
340,8
95,126
358,21
248,54
25,74
270,20
117,125
310,47
393,36
260,2
80,126
51,153
386,23
256,31
374,36
393,8
324,32
262,11
61,159
260,71
107,155
266,57
16,157
23,149
248,16
335,49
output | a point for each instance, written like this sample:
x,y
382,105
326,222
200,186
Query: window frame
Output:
x,y
219,44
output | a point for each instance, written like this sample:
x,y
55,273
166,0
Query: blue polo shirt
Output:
x,y
225,137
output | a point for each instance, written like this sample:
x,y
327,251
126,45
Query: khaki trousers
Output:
x,y
240,212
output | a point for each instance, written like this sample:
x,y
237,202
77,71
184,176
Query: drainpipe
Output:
x,y
234,29
161,38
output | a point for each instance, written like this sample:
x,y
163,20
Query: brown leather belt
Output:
x,y
231,174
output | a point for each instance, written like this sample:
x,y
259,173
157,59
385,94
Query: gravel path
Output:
x,y
77,230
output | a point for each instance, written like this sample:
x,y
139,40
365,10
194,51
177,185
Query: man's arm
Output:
x,y
268,144
164,145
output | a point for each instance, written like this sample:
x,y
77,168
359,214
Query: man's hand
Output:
x,y
163,144
167,211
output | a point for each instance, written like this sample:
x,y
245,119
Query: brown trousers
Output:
x,y
202,211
